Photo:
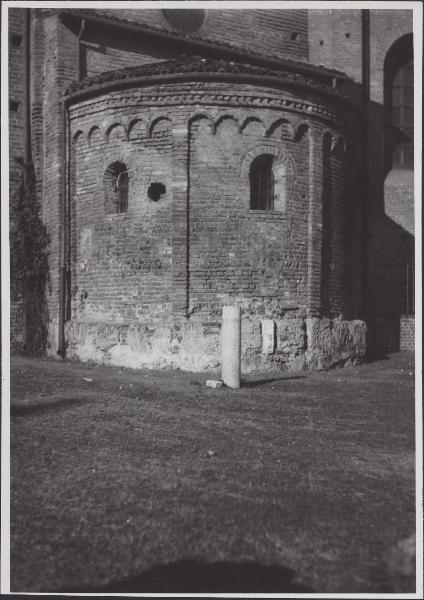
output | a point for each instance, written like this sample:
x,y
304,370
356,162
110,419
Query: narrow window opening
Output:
x,y
156,191
399,105
262,183
116,188
321,42
294,36
14,106
402,109
347,35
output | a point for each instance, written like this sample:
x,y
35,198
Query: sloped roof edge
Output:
x,y
206,43
197,65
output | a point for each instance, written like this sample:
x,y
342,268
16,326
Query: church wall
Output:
x,y
57,41
122,261
390,195
335,40
391,218
238,254
239,258
16,145
111,58
15,93
59,70
149,285
286,35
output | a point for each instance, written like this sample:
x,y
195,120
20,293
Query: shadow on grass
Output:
x,y
192,576
250,384
40,407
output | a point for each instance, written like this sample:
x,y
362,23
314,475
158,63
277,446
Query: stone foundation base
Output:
x,y
289,343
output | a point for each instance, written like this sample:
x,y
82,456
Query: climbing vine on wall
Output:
x,y
29,270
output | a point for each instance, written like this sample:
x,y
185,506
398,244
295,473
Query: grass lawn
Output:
x,y
147,481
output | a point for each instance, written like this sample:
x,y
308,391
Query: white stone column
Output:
x,y
231,345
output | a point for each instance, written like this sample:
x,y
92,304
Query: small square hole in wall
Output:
x,y
13,106
295,36
321,42
16,40
347,35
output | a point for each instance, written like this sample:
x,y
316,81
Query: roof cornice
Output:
x,y
201,45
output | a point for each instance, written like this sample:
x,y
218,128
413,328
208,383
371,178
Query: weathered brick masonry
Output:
x,y
337,39
145,286
157,276
16,143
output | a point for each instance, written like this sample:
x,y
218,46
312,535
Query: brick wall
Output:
x,y
280,33
386,26
59,70
236,253
15,90
104,50
37,88
335,40
390,335
199,245
147,283
16,150
122,262
301,256
407,332
391,193
391,196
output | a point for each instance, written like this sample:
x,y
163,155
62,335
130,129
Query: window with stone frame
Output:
x,y
261,178
116,188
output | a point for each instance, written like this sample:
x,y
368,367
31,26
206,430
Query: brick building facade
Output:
x,y
189,159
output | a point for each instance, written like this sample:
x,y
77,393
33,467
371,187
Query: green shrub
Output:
x,y
29,268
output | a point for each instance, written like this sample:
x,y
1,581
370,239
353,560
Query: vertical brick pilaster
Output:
x,y
315,222
37,58
59,71
16,149
180,219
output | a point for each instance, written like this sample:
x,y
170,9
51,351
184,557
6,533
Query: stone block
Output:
x,y
214,383
268,336
334,342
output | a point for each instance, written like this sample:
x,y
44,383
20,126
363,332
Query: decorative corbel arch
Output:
x,y
115,126
93,132
225,118
250,120
285,125
132,126
201,117
154,121
78,137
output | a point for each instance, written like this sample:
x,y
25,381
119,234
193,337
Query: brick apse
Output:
x,y
187,160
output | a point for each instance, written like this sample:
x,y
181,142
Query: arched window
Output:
x,y
116,188
262,183
399,104
403,114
